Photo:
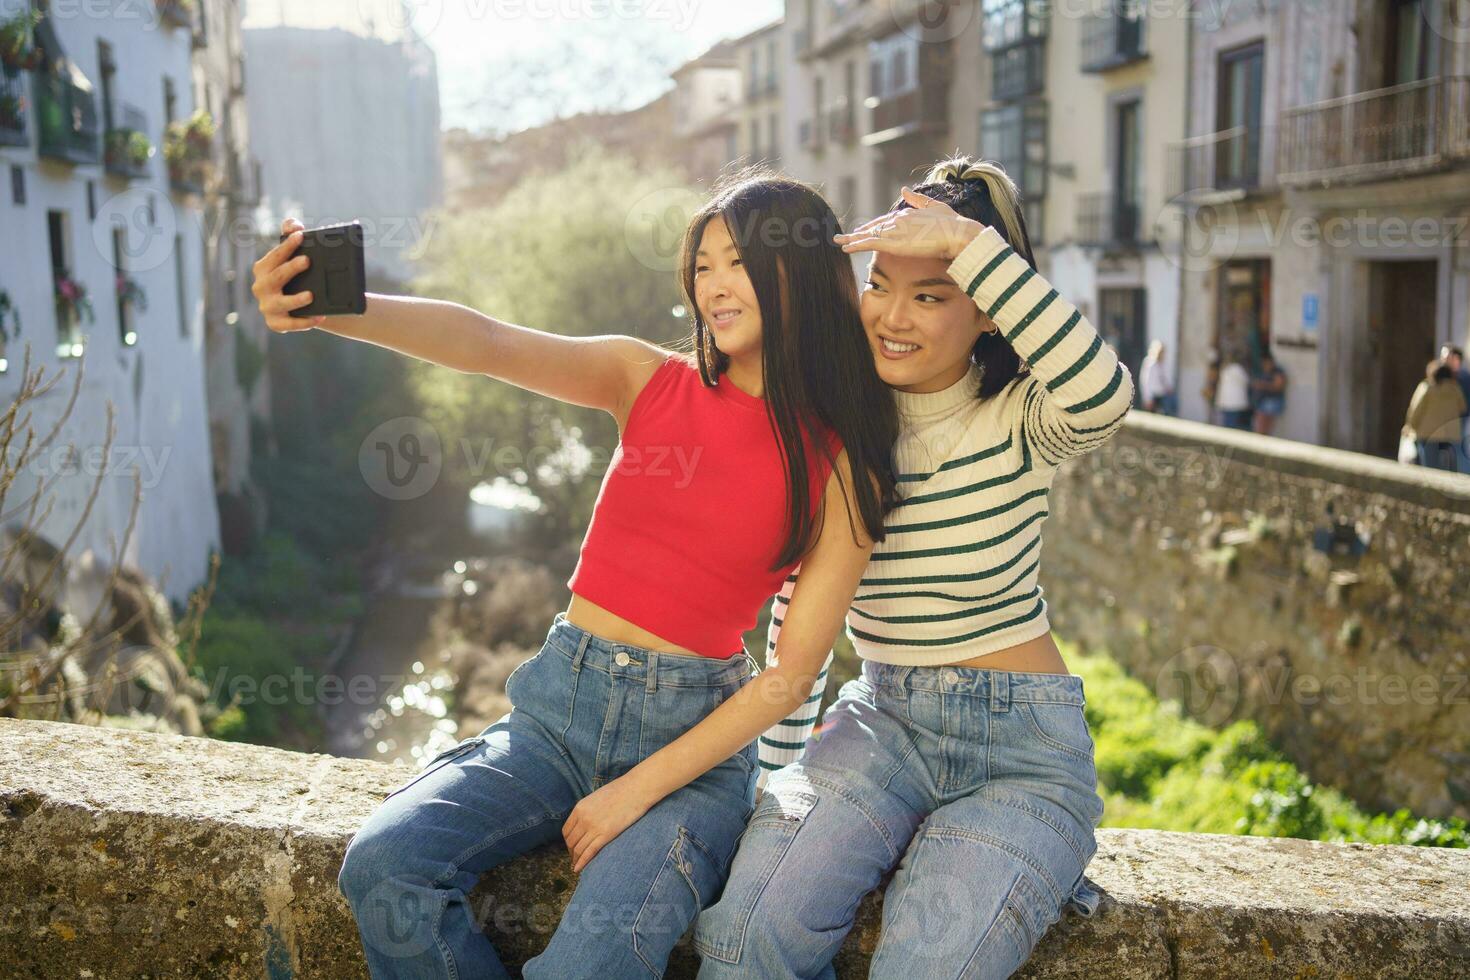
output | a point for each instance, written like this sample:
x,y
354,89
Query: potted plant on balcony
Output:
x,y
128,147
12,109
18,51
186,147
71,298
129,290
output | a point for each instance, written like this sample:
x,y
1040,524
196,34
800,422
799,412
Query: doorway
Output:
x,y
1401,339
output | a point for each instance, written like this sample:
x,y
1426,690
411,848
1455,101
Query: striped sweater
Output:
x,y
956,576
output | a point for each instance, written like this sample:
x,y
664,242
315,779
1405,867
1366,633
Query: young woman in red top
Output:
x,y
632,734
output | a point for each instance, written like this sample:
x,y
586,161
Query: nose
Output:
x,y
896,317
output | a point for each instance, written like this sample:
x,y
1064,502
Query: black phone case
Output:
x,y
335,273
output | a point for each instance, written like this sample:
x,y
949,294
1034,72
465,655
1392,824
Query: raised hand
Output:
x,y
272,271
928,229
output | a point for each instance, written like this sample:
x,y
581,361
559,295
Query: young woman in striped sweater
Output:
x,y
960,757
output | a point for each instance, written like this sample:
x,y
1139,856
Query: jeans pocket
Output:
x,y
440,761
687,881
777,819
1063,726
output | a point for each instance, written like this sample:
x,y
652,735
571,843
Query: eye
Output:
x,y
736,262
930,296
871,284
700,268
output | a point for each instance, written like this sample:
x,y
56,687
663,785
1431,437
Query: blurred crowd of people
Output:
x,y
1436,430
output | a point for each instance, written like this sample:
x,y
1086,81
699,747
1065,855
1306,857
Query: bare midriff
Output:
x,y
1037,656
610,626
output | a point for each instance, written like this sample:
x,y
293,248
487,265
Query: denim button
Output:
x,y
951,676
621,659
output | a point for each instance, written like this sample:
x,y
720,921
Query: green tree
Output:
x,y
553,255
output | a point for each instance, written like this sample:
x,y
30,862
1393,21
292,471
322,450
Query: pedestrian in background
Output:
x,y
1211,388
1233,395
1156,383
1434,416
1455,358
1268,389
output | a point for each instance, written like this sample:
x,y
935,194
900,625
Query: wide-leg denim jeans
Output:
x,y
978,786
584,711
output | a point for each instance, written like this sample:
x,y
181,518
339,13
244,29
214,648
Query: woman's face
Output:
x,y
921,325
724,294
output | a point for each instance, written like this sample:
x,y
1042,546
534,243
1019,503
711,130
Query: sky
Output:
x,y
508,64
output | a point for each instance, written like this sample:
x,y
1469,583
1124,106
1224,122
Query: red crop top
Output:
x,y
691,513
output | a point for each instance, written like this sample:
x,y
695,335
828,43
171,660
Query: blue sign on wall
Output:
x,y
1309,313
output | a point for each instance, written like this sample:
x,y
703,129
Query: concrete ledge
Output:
x,y
128,853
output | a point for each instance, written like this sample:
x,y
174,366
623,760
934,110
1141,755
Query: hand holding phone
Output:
x,y
333,274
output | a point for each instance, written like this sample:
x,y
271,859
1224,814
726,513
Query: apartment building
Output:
x,y
105,143
758,130
357,74
234,236
707,101
1087,103
1326,190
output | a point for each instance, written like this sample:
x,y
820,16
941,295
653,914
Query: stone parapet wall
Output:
x,y
1324,594
129,853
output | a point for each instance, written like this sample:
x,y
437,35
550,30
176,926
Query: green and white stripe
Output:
x,y
956,576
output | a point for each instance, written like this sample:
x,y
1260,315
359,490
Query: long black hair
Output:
x,y
817,362
981,190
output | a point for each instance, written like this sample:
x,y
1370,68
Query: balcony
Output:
x,y
1224,163
126,149
842,122
1107,220
67,116
1384,133
920,110
1113,40
13,110
176,13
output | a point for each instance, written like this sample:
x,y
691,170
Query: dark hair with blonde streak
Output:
x,y
814,352
982,190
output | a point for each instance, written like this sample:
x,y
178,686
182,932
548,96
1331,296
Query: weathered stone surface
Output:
x,y
1194,555
127,854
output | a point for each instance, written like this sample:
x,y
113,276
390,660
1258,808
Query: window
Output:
x,y
1012,22
1015,37
1127,182
1015,137
125,329
17,184
1237,157
892,60
1409,48
773,138
755,138
179,285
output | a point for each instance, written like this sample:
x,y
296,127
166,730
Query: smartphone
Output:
x,y
335,273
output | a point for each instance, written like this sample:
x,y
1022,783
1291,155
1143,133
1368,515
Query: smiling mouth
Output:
x,y
722,318
896,348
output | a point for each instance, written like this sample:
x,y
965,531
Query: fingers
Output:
x,y
589,851
916,199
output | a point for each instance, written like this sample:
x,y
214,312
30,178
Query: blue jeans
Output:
x,y
977,785
1438,455
584,711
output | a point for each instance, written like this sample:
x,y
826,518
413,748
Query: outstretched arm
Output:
x,y
830,575
604,372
